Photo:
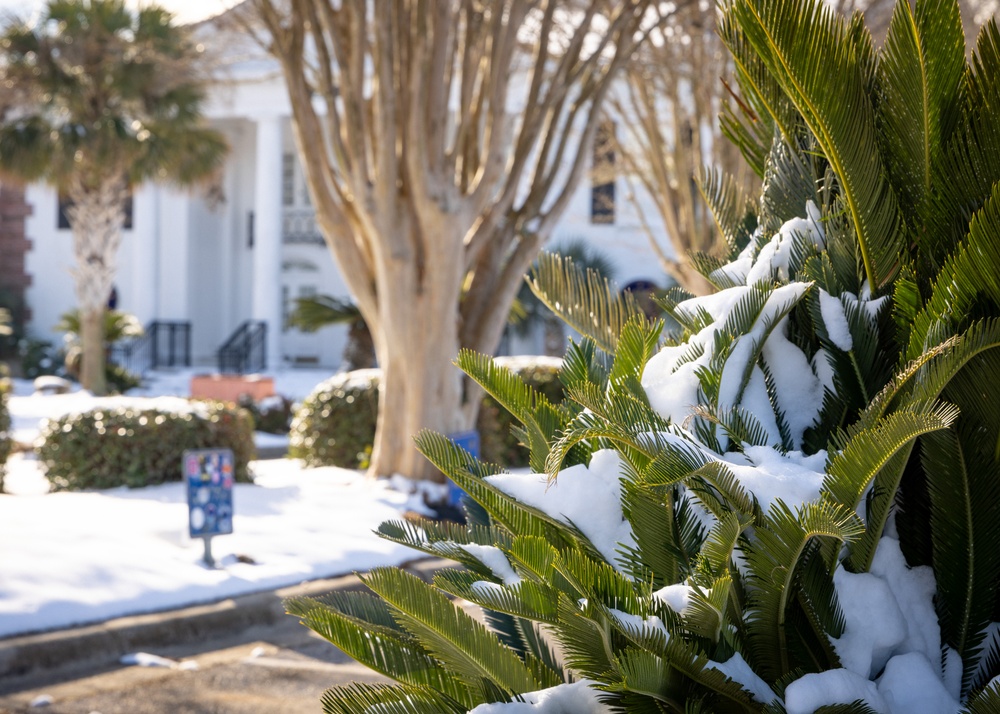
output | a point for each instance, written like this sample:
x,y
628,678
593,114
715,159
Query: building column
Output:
x,y
266,304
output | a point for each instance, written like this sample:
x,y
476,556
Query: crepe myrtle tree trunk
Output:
x,y
441,141
96,216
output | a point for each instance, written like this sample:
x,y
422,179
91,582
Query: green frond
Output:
x,y
387,699
598,581
985,702
583,363
790,180
654,559
470,474
637,343
739,424
856,707
318,311
715,557
386,650
966,276
585,301
527,599
853,465
584,638
963,481
920,75
729,205
443,539
462,644
539,418
812,54
774,559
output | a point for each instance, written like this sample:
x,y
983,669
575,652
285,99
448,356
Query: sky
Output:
x,y
185,10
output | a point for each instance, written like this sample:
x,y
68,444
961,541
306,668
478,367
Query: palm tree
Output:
x,y
103,99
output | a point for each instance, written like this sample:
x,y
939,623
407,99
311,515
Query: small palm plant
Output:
x,y
101,99
791,505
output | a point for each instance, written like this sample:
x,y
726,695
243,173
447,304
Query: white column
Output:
x,y
267,235
144,302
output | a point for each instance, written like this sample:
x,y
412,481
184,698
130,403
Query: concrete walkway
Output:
x,y
34,660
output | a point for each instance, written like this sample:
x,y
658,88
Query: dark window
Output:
x,y
602,192
64,203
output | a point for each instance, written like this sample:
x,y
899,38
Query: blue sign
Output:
x,y
208,474
468,440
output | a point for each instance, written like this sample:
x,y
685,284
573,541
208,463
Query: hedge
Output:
x,y
335,426
107,448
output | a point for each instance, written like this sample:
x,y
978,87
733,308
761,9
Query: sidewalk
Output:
x,y
29,660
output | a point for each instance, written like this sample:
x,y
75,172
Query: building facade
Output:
x,y
246,249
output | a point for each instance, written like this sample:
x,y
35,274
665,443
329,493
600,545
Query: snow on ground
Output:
x,y
73,558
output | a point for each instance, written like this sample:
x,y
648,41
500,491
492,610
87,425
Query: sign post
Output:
x,y
208,474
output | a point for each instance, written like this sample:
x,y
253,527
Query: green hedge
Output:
x,y
106,448
335,426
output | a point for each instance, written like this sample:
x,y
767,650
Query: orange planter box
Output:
x,y
230,387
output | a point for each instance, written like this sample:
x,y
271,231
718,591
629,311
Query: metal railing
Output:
x,y
246,349
165,343
298,225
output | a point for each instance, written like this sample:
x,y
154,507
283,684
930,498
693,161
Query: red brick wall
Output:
x,y
13,242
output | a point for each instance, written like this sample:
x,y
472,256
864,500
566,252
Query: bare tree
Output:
x,y
441,141
667,111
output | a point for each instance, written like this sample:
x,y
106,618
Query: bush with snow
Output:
x,y
6,442
138,446
335,426
790,506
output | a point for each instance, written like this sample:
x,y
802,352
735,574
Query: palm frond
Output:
x,y
729,206
964,485
453,637
920,75
811,53
386,650
585,301
773,559
386,699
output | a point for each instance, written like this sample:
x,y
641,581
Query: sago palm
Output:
x,y
789,506
103,99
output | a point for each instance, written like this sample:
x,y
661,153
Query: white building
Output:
x,y
218,263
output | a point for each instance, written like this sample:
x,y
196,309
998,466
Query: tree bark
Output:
x,y
96,216
92,360
435,183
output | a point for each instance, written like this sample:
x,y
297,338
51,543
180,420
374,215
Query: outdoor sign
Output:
x,y
208,474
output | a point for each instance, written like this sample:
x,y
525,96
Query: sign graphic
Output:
x,y
208,474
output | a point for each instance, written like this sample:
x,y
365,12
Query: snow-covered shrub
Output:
x,y
791,506
272,415
335,426
106,448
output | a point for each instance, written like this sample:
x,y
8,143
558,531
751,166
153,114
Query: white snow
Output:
x,y
737,669
493,558
588,496
575,698
677,597
835,686
79,557
794,478
910,685
832,310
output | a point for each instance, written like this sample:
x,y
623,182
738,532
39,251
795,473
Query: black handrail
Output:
x,y
246,349
165,343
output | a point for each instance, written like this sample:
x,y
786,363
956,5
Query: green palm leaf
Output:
x,y
386,650
921,71
387,699
821,66
964,487
464,646
585,301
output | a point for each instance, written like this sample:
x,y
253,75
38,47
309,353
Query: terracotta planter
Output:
x,y
230,387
